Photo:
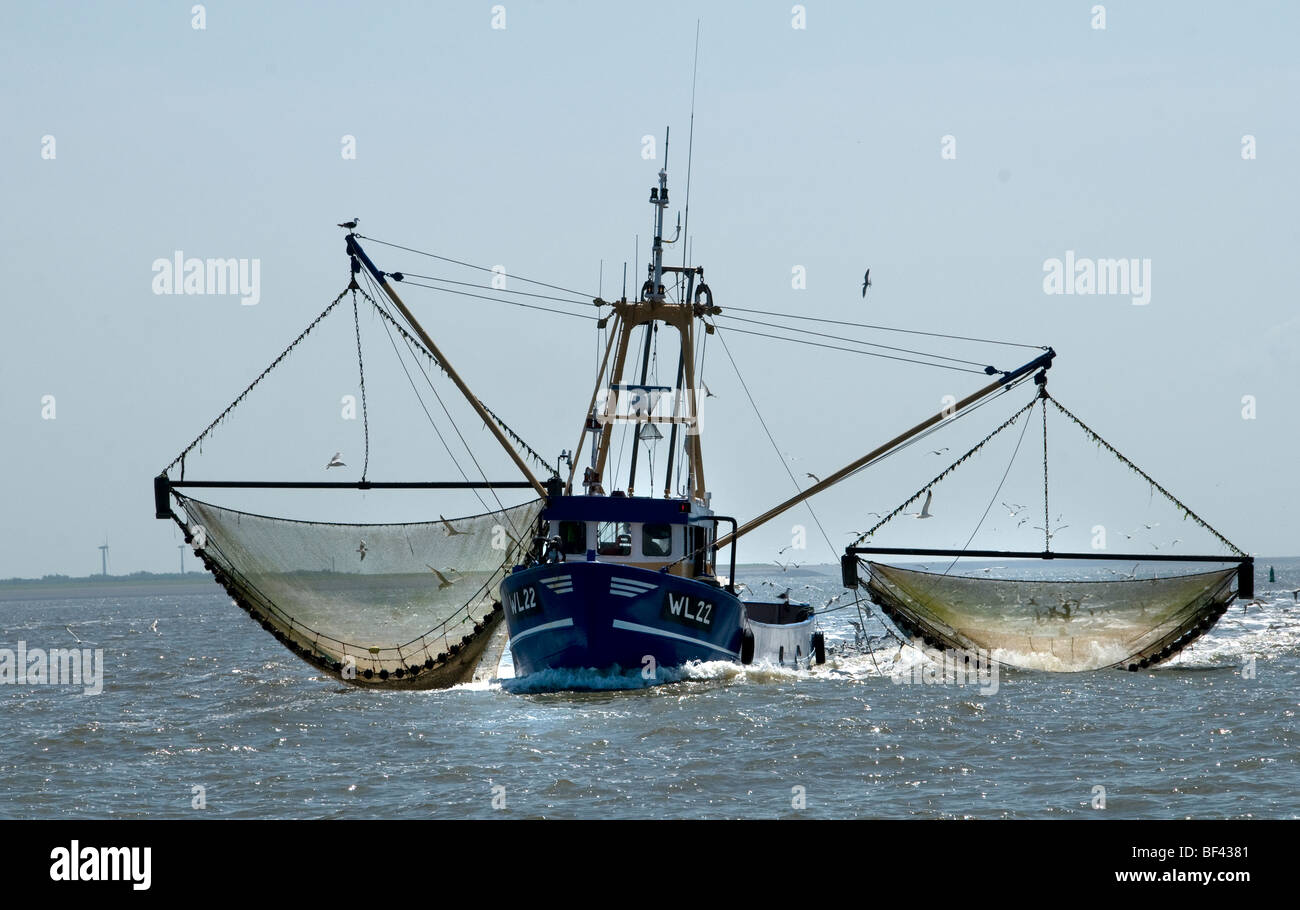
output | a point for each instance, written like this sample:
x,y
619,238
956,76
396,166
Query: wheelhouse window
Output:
x,y
656,539
573,537
614,538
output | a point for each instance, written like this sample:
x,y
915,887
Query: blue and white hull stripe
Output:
x,y
560,584
627,587
664,633
544,627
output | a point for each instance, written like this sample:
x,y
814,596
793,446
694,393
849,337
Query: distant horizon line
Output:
x,y
58,578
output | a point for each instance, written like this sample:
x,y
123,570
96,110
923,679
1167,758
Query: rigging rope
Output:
x,y
528,450
488,287
870,344
283,354
775,447
885,328
469,265
833,347
528,306
944,473
420,400
411,341
1047,521
1092,434
952,418
998,491
1145,476
365,416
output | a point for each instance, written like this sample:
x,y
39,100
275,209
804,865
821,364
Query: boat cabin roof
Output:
x,y
625,508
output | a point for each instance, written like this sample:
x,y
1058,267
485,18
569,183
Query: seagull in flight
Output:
x,y
707,393
814,477
351,225
866,283
1057,527
451,531
925,509
443,580
938,451
336,461
362,550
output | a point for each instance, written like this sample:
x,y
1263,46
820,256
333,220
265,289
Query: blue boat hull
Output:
x,y
606,616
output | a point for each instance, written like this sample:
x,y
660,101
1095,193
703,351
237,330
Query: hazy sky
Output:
x,y
821,147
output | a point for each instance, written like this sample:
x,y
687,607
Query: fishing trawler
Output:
x,y
619,569
626,581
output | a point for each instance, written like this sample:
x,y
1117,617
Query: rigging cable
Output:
x,y
998,491
260,377
487,287
470,265
361,367
935,428
942,474
1047,522
886,328
870,344
420,399
1145,476
529,306
832,347
775,447
409,341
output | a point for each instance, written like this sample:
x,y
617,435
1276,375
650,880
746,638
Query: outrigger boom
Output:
x,y
1043,361
358,254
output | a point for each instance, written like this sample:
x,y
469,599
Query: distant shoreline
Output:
x,y
59,587
139,584
142,583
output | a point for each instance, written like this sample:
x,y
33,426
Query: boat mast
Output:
x,y
657,294
354,249
653,306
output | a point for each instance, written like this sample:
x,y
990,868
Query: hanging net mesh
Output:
x,y
397,605
1054,625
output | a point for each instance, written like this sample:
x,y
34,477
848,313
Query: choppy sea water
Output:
x,y
205,698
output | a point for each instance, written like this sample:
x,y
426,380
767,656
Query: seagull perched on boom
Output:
x,y
351,225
